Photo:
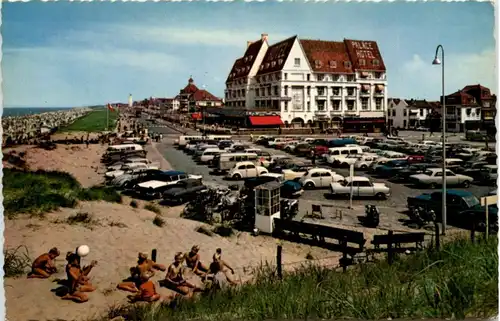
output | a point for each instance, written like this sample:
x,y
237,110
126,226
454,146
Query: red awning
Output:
x,y
265,120
196,116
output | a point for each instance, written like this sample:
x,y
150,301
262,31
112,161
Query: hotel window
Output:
x,y
276,90
336,91
308,106
336,104
333,64
378,103
362,62
335,77
350,92
308,77
269,91
350,77
321,91
321,105
347,64
286,106
286,90
297,62
286,76
376,62
321,77
364,103
308,90
379,75
350,105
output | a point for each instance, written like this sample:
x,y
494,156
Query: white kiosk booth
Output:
x,y
267,206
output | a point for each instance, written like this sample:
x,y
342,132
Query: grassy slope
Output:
x,y
95,121
42,191
461,280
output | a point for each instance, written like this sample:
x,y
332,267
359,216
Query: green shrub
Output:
x,y
16,261
40,191
461,281
159,221
153,208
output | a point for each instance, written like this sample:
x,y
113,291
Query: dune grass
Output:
x,y
43,191
16,261
459,281
95,121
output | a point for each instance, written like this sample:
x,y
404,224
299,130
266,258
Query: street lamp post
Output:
x,y
436,61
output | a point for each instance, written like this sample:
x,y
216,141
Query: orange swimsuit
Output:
x,y
148,289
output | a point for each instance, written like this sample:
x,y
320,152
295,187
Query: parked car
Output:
x,y
303,149
151,189
296,171
127,168
488,174
419,168
246,169
289,189
132,178
361,187
182,191
319,178
471,169
433,177
461,207
365,161
391,168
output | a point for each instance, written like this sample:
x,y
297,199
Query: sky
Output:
x,y
75,54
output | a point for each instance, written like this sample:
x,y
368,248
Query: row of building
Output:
x,y
301,82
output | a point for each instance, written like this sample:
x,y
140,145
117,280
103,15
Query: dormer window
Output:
x,y
267,65
246,59
273,63
280,61
250,57
362,62
318,63
347,64
261,67
333,64
376,62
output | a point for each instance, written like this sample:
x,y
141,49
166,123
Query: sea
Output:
x,y
21,111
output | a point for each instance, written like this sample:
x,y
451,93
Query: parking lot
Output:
x,y
392,209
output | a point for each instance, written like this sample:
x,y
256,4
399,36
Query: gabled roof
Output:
x,y
367,50
189,89
276,55
418,103
327,56
203,95
242,66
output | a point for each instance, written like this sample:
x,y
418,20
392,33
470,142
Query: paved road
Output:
x,y
391,209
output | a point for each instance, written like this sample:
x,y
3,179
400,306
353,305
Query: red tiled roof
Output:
x,y
276,55
203,95
327,56
367,50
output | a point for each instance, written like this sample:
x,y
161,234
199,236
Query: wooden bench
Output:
x,y
393,243
319,234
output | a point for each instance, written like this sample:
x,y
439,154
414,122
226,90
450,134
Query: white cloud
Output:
x,y
419,75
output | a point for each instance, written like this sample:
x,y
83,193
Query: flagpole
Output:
x,y
107,117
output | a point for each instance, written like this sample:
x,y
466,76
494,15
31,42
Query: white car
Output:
x,y
129,161
245,170
361,187
347,160
319,178
365,161
122,180
290,146
433,177
128,167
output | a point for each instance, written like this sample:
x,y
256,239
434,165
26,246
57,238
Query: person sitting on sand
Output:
x,y
193,261
175,280
144,265
218,271
147,290
43,266
218,258
78,281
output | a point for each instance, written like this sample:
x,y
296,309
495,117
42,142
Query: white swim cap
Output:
x,y
83,250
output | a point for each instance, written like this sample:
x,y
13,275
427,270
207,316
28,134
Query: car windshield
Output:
x,y
471,200
428,173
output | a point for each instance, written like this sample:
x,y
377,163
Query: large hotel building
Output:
x,y
300,82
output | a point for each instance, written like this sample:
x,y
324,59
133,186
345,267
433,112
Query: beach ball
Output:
x,y
83,250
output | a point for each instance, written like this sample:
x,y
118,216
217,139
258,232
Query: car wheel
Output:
x,y
236,176
381,196
466,184
309,185
363,167
433,186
